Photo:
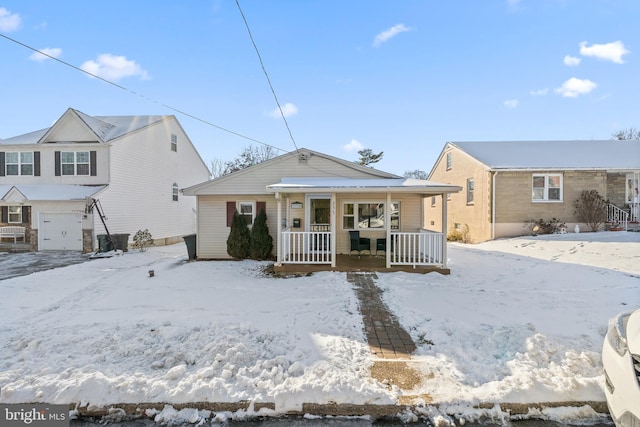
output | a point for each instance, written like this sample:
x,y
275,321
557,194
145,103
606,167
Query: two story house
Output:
x,y
133,165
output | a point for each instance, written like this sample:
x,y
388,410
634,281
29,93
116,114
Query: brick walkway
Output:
x,y
386,338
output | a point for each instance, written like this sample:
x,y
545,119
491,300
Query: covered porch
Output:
x,y
318,217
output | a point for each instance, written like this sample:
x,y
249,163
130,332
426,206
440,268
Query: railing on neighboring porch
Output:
x,y
423,248
635,212
306,247
618,216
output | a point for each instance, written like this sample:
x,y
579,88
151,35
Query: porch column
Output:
x,y
279,230
332,227
387,227
444,230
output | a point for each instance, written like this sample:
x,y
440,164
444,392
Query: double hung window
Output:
x,y
369,215
19,163
546,188
74,162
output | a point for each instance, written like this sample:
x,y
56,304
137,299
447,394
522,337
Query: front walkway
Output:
x,y
386,338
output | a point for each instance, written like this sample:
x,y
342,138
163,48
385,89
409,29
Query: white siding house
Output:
x,y
134,166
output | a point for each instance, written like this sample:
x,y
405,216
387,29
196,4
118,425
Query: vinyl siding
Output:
x,y
143,170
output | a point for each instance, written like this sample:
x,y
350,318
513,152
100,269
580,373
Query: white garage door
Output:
x,y
60,232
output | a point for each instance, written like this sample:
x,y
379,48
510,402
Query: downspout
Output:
x,y
493,205
279,229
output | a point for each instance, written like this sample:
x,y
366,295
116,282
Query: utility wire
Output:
x,y
264,70
142,96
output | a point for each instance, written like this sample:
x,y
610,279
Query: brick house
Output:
x,y
506,183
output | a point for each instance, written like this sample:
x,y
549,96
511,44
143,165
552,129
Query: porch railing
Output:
x,y
615,215
306,247
423,248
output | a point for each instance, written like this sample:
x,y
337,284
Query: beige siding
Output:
x,y
476,215
616,193
212,223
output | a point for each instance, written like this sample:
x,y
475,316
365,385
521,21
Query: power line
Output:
x,y
142,96
264,70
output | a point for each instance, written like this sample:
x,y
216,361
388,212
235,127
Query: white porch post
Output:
x,y
387,226
444,230
332,227
279,230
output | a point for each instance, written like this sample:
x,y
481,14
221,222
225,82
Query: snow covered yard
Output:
x,y
518,320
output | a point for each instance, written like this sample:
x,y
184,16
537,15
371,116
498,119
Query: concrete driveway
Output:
x,y
24,263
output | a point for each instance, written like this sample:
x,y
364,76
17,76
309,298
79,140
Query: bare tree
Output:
x,y
251,155
624,134
417,174
218,167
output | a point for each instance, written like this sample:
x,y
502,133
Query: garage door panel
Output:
x,y
60,231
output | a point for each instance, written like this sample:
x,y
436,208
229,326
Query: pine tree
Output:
x,y
239,237
261,242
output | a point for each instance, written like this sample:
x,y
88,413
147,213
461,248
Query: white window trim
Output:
x,y
356,219
471,190
174,142
19,163
19,213
449,160
546,199
75,163
175,192
253,210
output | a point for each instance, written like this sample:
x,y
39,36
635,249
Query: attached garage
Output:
x,y
59,231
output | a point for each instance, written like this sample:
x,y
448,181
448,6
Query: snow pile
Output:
x,y
518,320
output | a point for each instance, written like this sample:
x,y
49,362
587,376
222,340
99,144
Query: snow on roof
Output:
x,y
397,184
590,154
51,192
105,127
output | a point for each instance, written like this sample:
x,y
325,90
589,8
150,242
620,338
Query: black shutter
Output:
x,y
57,160
1,163
4,218
231,209
36,163
92,163
261,206
26,218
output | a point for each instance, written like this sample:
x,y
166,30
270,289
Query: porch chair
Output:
x,y
359,243
381,245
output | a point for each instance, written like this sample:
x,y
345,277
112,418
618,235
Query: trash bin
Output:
x,y
104,245
190,241
121,241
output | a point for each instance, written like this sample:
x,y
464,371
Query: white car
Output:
x,y
621,361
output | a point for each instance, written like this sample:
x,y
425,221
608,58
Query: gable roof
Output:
x,y
274,162
48,192
548,155
104,128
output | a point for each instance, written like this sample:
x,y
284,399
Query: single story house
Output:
x,y
507,183
133,165
313,201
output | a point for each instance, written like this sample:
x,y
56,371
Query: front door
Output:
x,y
319,221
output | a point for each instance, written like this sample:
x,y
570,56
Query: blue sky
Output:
x,y
401,77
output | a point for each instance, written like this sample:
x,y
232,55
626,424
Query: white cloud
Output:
x,y
114,68
388,34
539,92
511,103
288,110
54,52
354,145
571,61
575,87
9,21
607,52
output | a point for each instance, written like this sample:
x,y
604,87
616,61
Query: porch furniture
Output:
x,y
358,243
12,232
381,245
